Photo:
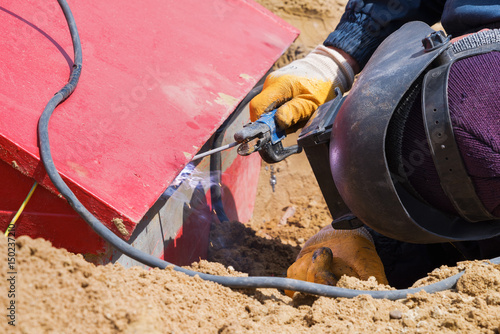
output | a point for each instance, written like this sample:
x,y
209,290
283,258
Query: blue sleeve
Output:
x,y
465,16
365,24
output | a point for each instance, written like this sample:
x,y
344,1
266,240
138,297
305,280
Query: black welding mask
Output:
x,y
352,144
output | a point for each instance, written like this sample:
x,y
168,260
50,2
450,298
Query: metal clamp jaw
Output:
x,y
265,137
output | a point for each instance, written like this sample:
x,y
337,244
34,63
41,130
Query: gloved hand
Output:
x,y
330,253
300,87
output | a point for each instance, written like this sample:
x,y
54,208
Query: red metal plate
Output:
x,y
159,77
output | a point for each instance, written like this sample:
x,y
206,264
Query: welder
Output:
x,y
415,147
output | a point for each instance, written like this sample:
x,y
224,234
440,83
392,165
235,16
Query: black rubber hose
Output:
x,y
149,260
216,158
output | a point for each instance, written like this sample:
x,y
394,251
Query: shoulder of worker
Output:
x,y
365,24
465,16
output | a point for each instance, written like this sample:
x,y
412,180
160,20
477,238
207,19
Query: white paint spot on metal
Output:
x,y
246,76
226,100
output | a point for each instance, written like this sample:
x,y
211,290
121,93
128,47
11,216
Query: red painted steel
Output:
x,y
45,216
159,77
239,187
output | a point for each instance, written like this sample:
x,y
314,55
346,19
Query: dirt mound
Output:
x,y
305,8
234,245
59,292
315,19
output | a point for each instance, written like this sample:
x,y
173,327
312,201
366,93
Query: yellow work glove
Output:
x,y
330,253
300,87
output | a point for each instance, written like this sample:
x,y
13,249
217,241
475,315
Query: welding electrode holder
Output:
x,y
265,137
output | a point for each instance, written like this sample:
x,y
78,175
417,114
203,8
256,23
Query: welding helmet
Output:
x,y
395,154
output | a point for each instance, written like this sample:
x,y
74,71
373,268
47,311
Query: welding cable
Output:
x,y
151,261
21,208
216,158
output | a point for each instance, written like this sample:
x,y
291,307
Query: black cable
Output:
x,y
149,260
216,158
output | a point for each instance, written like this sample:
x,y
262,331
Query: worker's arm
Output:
x,y
330,254
300,87
366,23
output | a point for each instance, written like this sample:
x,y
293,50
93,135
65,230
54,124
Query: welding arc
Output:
x,y
149,260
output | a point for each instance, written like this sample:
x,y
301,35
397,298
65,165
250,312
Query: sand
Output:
x,y
59,292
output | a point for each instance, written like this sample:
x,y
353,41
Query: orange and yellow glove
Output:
x,y
300,87
330,253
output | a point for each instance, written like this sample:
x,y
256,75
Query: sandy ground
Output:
x,y
59,292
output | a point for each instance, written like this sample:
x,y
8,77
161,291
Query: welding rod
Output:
x,y
215,150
